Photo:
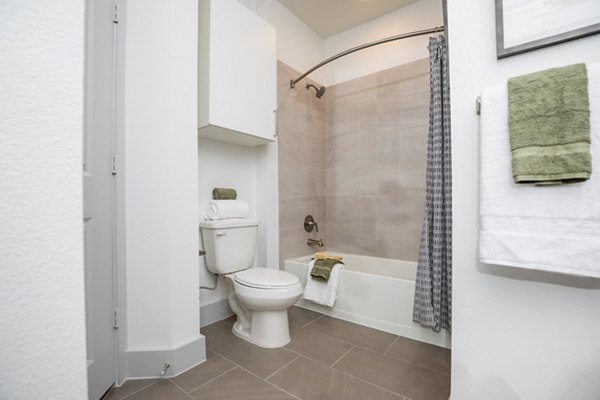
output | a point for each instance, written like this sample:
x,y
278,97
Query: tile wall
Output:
x,y
301,139
376,148
355,159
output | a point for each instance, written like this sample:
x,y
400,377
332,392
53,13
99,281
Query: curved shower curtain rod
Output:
x,y
364,46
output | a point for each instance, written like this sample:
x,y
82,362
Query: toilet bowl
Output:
x,y
258,296
266,294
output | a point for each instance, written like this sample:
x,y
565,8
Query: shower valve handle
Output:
x,y
309,224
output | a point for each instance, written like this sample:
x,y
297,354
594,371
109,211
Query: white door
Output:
x,y
99,139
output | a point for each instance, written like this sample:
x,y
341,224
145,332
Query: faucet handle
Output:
x,y
309,224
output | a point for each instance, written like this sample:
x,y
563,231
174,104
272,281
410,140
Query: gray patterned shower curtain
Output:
x,y
433,293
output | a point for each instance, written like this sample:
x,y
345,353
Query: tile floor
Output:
x,y
327,359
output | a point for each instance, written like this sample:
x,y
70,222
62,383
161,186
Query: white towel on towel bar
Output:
x,y
223,209
551,228
321,292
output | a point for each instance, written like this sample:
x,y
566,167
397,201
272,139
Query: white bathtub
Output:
x,y
374,292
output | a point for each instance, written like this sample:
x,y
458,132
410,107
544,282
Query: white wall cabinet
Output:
x,y
237,85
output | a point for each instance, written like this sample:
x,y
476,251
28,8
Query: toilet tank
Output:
x,y
230,244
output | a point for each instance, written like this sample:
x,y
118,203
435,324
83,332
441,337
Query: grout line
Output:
x,y
180,388
394,358
342,356
314,320
283,390
213,379
390,346
139,390
245,369
285,365
258,377
376,385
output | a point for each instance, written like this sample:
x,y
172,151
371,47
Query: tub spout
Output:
x,y
314,242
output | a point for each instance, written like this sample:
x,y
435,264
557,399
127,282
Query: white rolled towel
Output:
x,y
321,292
223,209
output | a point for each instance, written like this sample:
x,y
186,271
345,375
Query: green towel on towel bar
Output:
x,y
549,124
224,194
322,269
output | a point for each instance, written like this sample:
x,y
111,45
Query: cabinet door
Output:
x,y
243,70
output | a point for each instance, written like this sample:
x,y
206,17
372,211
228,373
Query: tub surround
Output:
x,y
376,147
301,137
355,159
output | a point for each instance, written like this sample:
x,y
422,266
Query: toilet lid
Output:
x,y
265,278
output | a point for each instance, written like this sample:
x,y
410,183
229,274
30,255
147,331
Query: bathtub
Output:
x,y
374,292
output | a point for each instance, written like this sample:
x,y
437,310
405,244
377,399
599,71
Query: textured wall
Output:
x,y
161,174
376,147
422,14
42,314
301,127
516,334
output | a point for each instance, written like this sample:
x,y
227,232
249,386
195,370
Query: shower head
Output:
x,y
320,90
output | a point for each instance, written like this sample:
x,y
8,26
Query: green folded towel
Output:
x,y
322,269
549,124
224,194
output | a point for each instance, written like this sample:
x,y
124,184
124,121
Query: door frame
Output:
x,y
119,227
119,271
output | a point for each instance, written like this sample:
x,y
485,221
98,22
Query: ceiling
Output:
x,y
330,17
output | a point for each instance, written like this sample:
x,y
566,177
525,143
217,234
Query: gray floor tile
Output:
x,y
215,329
239,384
129,387
421,354
311,344
214,366
380,370
429,386
163,390
301,316
259,361
310,380
362,336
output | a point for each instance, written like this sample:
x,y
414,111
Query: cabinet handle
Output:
x,y
276,124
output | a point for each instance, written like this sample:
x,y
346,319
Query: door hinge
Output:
x,y
115,12
115,318
113,169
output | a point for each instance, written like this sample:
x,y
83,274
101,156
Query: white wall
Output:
x,y
297,45
161,174
517,334
222,164
253,171
42,328
417,16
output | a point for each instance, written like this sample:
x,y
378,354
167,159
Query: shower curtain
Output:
x,y
433,292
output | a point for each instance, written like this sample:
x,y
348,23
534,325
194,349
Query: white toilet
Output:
x,y
260,296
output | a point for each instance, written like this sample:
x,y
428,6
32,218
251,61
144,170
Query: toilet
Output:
x,y
260,297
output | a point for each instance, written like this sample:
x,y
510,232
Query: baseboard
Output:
x,y
150,363
215,311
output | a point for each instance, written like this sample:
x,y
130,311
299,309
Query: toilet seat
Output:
x,y
265,278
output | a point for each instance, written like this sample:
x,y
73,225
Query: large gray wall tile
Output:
x,y
356,160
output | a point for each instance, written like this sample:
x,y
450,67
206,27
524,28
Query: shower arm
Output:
x,y
364,46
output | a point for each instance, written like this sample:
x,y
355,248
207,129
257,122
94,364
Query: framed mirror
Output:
x,y
525,25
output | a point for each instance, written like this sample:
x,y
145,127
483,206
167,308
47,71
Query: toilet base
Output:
x,y
268,329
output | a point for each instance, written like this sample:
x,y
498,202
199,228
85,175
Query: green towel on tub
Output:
x,y
322,269
549,124
224,194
